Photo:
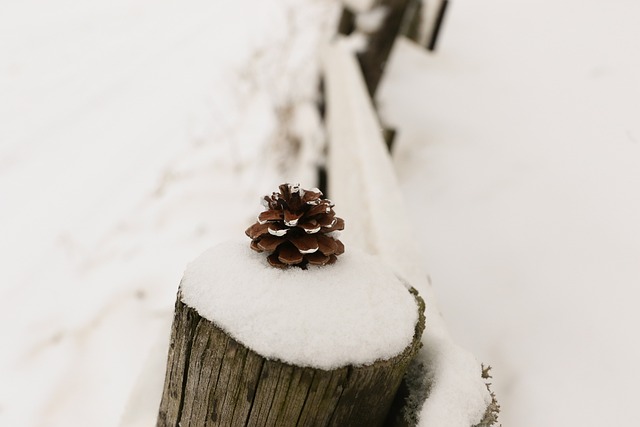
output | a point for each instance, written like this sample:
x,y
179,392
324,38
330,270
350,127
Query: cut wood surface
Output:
x,y
212,380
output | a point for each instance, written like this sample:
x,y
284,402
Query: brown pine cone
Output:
x,y
296,228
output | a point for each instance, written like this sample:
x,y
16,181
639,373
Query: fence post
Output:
x,y
211,379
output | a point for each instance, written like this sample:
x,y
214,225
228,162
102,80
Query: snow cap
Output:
x,y
353,312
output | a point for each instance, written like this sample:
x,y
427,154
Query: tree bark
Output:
x,y
212,380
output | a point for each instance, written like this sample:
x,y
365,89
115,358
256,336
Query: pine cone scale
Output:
x,y
305,243
255,247
317,258
322,208
327,245
336,225
310,227
269,242
311,195
327,220
270,215
276,229
257,230
291,218
289,255
274,261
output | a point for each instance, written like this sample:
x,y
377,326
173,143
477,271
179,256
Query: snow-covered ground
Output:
x,y
519,158
134,135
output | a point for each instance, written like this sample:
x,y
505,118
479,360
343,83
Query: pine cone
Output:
x,y
296,228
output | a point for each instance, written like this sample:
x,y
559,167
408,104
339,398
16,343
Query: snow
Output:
x,y
518,156
278,233
359,5
456,395
353,312
370,21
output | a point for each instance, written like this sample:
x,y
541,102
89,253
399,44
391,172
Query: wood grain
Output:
x,y
212,380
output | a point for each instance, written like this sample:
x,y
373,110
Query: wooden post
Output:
x,y
374,58
412,21
212,380
346,23
437,25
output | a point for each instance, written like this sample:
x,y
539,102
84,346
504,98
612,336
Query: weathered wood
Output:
x,y
212,380
373,60
412,21
346,23
490,416
389,135
437,25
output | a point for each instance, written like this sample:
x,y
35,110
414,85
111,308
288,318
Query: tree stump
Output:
x,y
212,380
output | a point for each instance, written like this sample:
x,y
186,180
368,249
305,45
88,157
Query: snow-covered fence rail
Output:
x,y
381,25
446,387
381,22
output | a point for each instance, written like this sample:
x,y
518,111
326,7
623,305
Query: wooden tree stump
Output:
x,y
212,380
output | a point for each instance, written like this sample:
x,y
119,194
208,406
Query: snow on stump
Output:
x,y
253,345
